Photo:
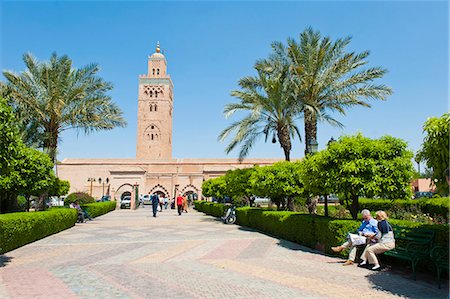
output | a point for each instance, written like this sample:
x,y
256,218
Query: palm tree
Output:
x,y
327,79
51,97
268,101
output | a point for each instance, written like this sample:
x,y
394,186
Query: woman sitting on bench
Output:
x,y
386,242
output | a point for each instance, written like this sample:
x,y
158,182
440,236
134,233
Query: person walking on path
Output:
x,y
179,203
161,202
155,203
386,242
185,204
367,229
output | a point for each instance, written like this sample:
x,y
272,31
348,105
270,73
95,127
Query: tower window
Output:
x,y
151,93
155,107
152,136
153,71
151,107
153,127
156,94
157,71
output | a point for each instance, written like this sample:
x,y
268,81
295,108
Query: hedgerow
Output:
x,y
99,208
18,229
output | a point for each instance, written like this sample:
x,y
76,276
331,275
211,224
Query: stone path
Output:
x,y
128,254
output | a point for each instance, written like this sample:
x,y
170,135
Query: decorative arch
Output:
x,y
152,133
123,191
160,188
189,187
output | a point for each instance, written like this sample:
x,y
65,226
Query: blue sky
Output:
x,y
209,46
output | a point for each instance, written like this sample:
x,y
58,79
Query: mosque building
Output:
x,y
154,170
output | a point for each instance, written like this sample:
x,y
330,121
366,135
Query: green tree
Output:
x,y
316,177
238,184
215,187
360,166
59,187
51,97
280,182
269,105
328,79
435,150
23,170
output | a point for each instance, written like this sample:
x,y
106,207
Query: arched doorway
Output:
x,y
124,190
160,193
126,193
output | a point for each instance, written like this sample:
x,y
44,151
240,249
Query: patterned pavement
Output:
x,y
129,254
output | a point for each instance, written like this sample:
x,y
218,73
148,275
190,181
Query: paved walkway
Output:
x,y
128,254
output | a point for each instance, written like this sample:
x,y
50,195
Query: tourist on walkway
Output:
x,y
385,238
155,203
185,204
367,229
179,203
166,202
161,202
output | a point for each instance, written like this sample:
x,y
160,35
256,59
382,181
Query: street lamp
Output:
x,y
100,181
313,145
91,180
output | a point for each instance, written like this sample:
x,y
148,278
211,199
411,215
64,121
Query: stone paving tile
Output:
x,y
130,254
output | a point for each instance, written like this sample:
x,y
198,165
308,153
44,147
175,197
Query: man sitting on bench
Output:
x,y
368,228
75,205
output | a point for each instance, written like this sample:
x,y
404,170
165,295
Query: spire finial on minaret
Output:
x,y
158,50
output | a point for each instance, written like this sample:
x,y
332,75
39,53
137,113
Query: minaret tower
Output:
x,y
155,107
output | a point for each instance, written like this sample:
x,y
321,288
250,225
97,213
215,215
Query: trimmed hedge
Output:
x,y
210,208
18,229
313,231
432,206
99,208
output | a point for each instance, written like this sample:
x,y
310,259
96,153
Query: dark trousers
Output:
x,y
180,208
155,209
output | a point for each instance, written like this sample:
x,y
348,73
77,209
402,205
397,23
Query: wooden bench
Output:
x,y
412,244
439,256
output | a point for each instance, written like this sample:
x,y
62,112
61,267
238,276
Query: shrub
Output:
x,y
100,208
83,198
18,229
433,206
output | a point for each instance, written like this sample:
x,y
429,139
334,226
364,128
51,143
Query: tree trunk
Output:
x,y
326,205
354,207
27,197
310,121
311,204
51,142
41,206
277,203
290,203
285,140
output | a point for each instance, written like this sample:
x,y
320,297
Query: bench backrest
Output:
x,y
417,235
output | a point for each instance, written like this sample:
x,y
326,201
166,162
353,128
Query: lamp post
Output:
x,y
312,146
91,180
100,181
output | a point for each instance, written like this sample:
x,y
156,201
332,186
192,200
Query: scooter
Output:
x,y
230,215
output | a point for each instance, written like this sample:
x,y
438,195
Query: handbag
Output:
x,y
357,239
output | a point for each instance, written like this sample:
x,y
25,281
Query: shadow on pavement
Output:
x,y
4,260
383,281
